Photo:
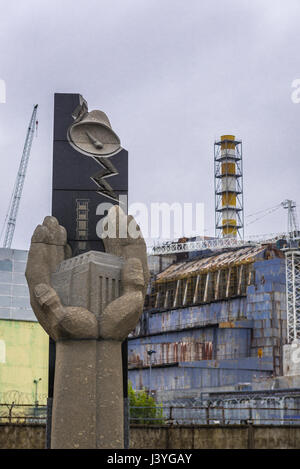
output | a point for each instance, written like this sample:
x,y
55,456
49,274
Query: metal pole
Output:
x,y
36,382
150,378
150,352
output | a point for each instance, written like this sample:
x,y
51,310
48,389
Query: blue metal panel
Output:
x,y
248,363
263,311
173,378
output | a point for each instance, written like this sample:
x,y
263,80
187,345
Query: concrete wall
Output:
x,y
22,436
216,437
23,359
176,437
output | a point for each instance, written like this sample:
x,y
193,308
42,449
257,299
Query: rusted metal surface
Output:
x,y
191,345
169,352
205,308
227,324
212,263
200,376
212,278
205,287
194,317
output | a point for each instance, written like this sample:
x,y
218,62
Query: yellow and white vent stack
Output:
x,y
229,216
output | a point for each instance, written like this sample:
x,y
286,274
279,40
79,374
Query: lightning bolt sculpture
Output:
x,y
91,134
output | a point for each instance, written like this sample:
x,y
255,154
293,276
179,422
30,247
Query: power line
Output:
x,y
263,211
264,215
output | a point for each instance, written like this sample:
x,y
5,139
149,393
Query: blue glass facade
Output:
x,y
14,294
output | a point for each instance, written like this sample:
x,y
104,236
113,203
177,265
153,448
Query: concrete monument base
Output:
x,y
92,420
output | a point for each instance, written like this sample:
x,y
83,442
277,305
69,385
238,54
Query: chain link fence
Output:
x,y
269,412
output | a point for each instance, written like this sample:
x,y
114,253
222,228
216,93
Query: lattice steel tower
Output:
x,y
17,192
292,259
292,224
229,208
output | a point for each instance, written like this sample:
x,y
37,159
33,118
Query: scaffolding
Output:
x,y
293,294
228,169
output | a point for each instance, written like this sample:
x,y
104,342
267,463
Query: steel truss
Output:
x,y
200,245
293,294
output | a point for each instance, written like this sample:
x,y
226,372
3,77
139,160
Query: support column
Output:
x,y
92,369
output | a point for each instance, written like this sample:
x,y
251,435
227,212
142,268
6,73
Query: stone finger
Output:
x,y
120,317
133,230
132,273
45,295
40,235
57,234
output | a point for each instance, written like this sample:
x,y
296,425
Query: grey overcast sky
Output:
x,y
173,76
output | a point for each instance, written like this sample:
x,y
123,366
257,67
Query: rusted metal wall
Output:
x,y
207,343
220,276
204,375
156,321
233,329
169,352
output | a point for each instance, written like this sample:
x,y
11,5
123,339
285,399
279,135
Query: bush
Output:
x,y
143,408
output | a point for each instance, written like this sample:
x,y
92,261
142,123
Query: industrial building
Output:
x,y
23,342
215,322
221,315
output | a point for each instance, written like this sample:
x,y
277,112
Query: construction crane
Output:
x,y
292,257
292,227
292,272
13,208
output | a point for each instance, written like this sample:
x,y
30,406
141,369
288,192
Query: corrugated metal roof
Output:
x,y
218,261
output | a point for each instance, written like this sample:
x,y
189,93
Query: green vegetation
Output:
x,y
143,409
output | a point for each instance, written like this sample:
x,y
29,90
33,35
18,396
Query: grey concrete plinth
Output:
x,y
87,404
88,388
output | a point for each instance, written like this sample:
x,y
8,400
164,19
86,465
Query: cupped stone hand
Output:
x,y
49,248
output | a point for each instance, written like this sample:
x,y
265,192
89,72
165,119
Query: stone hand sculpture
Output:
x,y
88,389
